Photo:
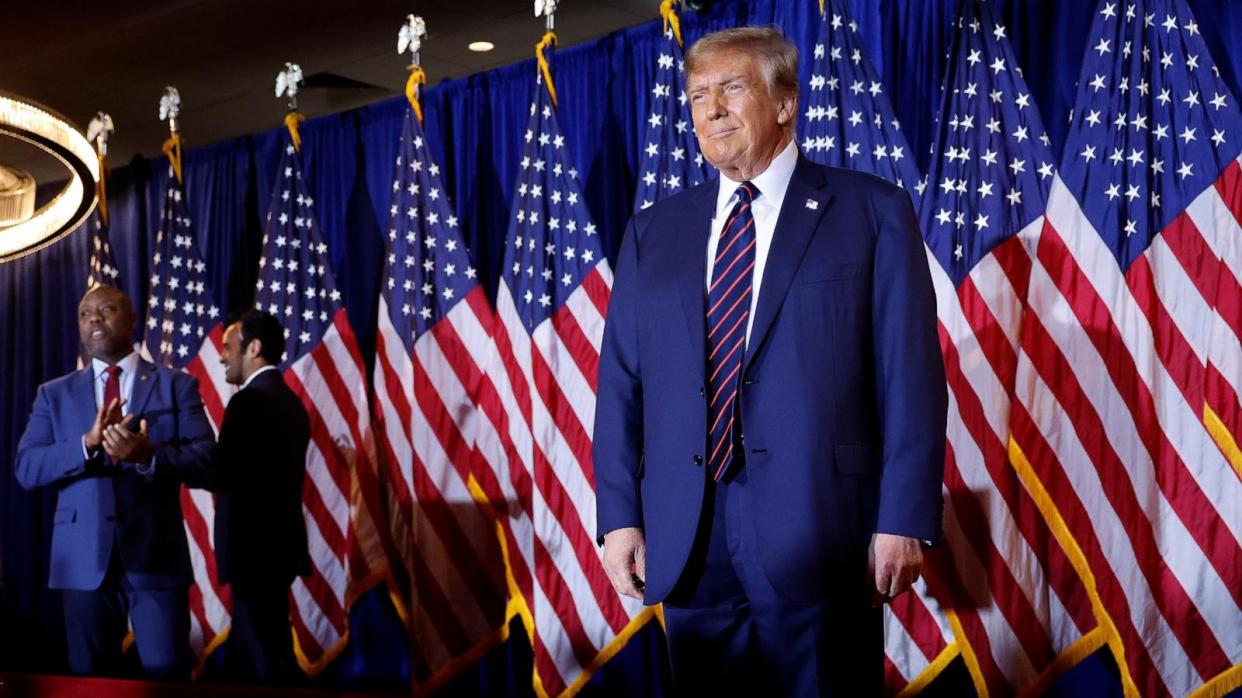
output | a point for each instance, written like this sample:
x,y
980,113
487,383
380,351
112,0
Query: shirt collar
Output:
x,y
771,183
128,365
254,375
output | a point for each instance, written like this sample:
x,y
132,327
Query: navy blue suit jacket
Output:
x,y
842,395
96,503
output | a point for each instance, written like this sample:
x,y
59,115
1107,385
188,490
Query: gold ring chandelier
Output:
x,y
51,132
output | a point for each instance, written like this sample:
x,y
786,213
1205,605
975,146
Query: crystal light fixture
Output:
x,y
44,128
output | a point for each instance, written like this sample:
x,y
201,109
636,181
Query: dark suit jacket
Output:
x,y
842,394
260,534
96,503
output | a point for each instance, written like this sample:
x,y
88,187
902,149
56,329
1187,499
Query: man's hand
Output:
x,y
625,560
125,445
894,562
107,415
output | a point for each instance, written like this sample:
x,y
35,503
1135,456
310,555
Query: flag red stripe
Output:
x,y
1001,356
1183,366
580,348
312,498
1047,468
1172,476
328,604
560,596
562,506
1170,597
918,621
942,583
1202,266
1223,400
339,394
431,501
545,667
987,330
562,412
307,642
206,389
513,370
597,290
1228,294
1006,592
893,680
200,614
202,537
393,399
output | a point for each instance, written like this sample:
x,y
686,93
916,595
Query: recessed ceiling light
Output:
x,y
481,46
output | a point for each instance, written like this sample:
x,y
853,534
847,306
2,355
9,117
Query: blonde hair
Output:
x,y
778,58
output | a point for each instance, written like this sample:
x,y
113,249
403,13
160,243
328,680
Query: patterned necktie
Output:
x,y
728,310
112,391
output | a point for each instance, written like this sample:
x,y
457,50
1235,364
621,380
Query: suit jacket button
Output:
x,y
702,392
698,460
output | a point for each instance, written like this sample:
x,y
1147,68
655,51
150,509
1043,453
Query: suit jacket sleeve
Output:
x,y
912,398
41,460
187,456
618,435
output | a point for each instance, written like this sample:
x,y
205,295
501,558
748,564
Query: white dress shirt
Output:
x,y
247,382
766,208
129,368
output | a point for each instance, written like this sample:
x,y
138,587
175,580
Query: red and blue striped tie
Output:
x,y
728,310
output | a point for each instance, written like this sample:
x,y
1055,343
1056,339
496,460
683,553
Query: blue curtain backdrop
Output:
x,y
475,124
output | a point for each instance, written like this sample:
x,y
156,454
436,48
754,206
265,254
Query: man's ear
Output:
x,y
254,349
787,109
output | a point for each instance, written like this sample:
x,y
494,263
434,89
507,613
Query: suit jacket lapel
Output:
x,y
144,382
691,258
806,200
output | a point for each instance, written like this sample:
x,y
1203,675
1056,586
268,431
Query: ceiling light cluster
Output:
x,y
41,127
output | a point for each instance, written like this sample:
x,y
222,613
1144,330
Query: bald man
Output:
x,y
116,440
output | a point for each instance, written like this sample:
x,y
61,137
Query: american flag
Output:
x,y
433,341
101,267
551,302
322,365
671,159
1130,358
988,182
185,331
849,122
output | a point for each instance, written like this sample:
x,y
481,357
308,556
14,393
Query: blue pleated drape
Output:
x,y
475,125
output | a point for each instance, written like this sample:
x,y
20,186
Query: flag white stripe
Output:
x,y
1011,657
1182,553
317,624
1055,426
1179,422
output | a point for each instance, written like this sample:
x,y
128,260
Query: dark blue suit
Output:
x,y
842,406
118,529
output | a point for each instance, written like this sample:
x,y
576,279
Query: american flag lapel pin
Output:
x,y
812,204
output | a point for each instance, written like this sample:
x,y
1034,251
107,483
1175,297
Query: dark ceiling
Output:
x,y
223,55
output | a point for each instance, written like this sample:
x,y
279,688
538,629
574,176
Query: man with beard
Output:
x,y
117,439
260,534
